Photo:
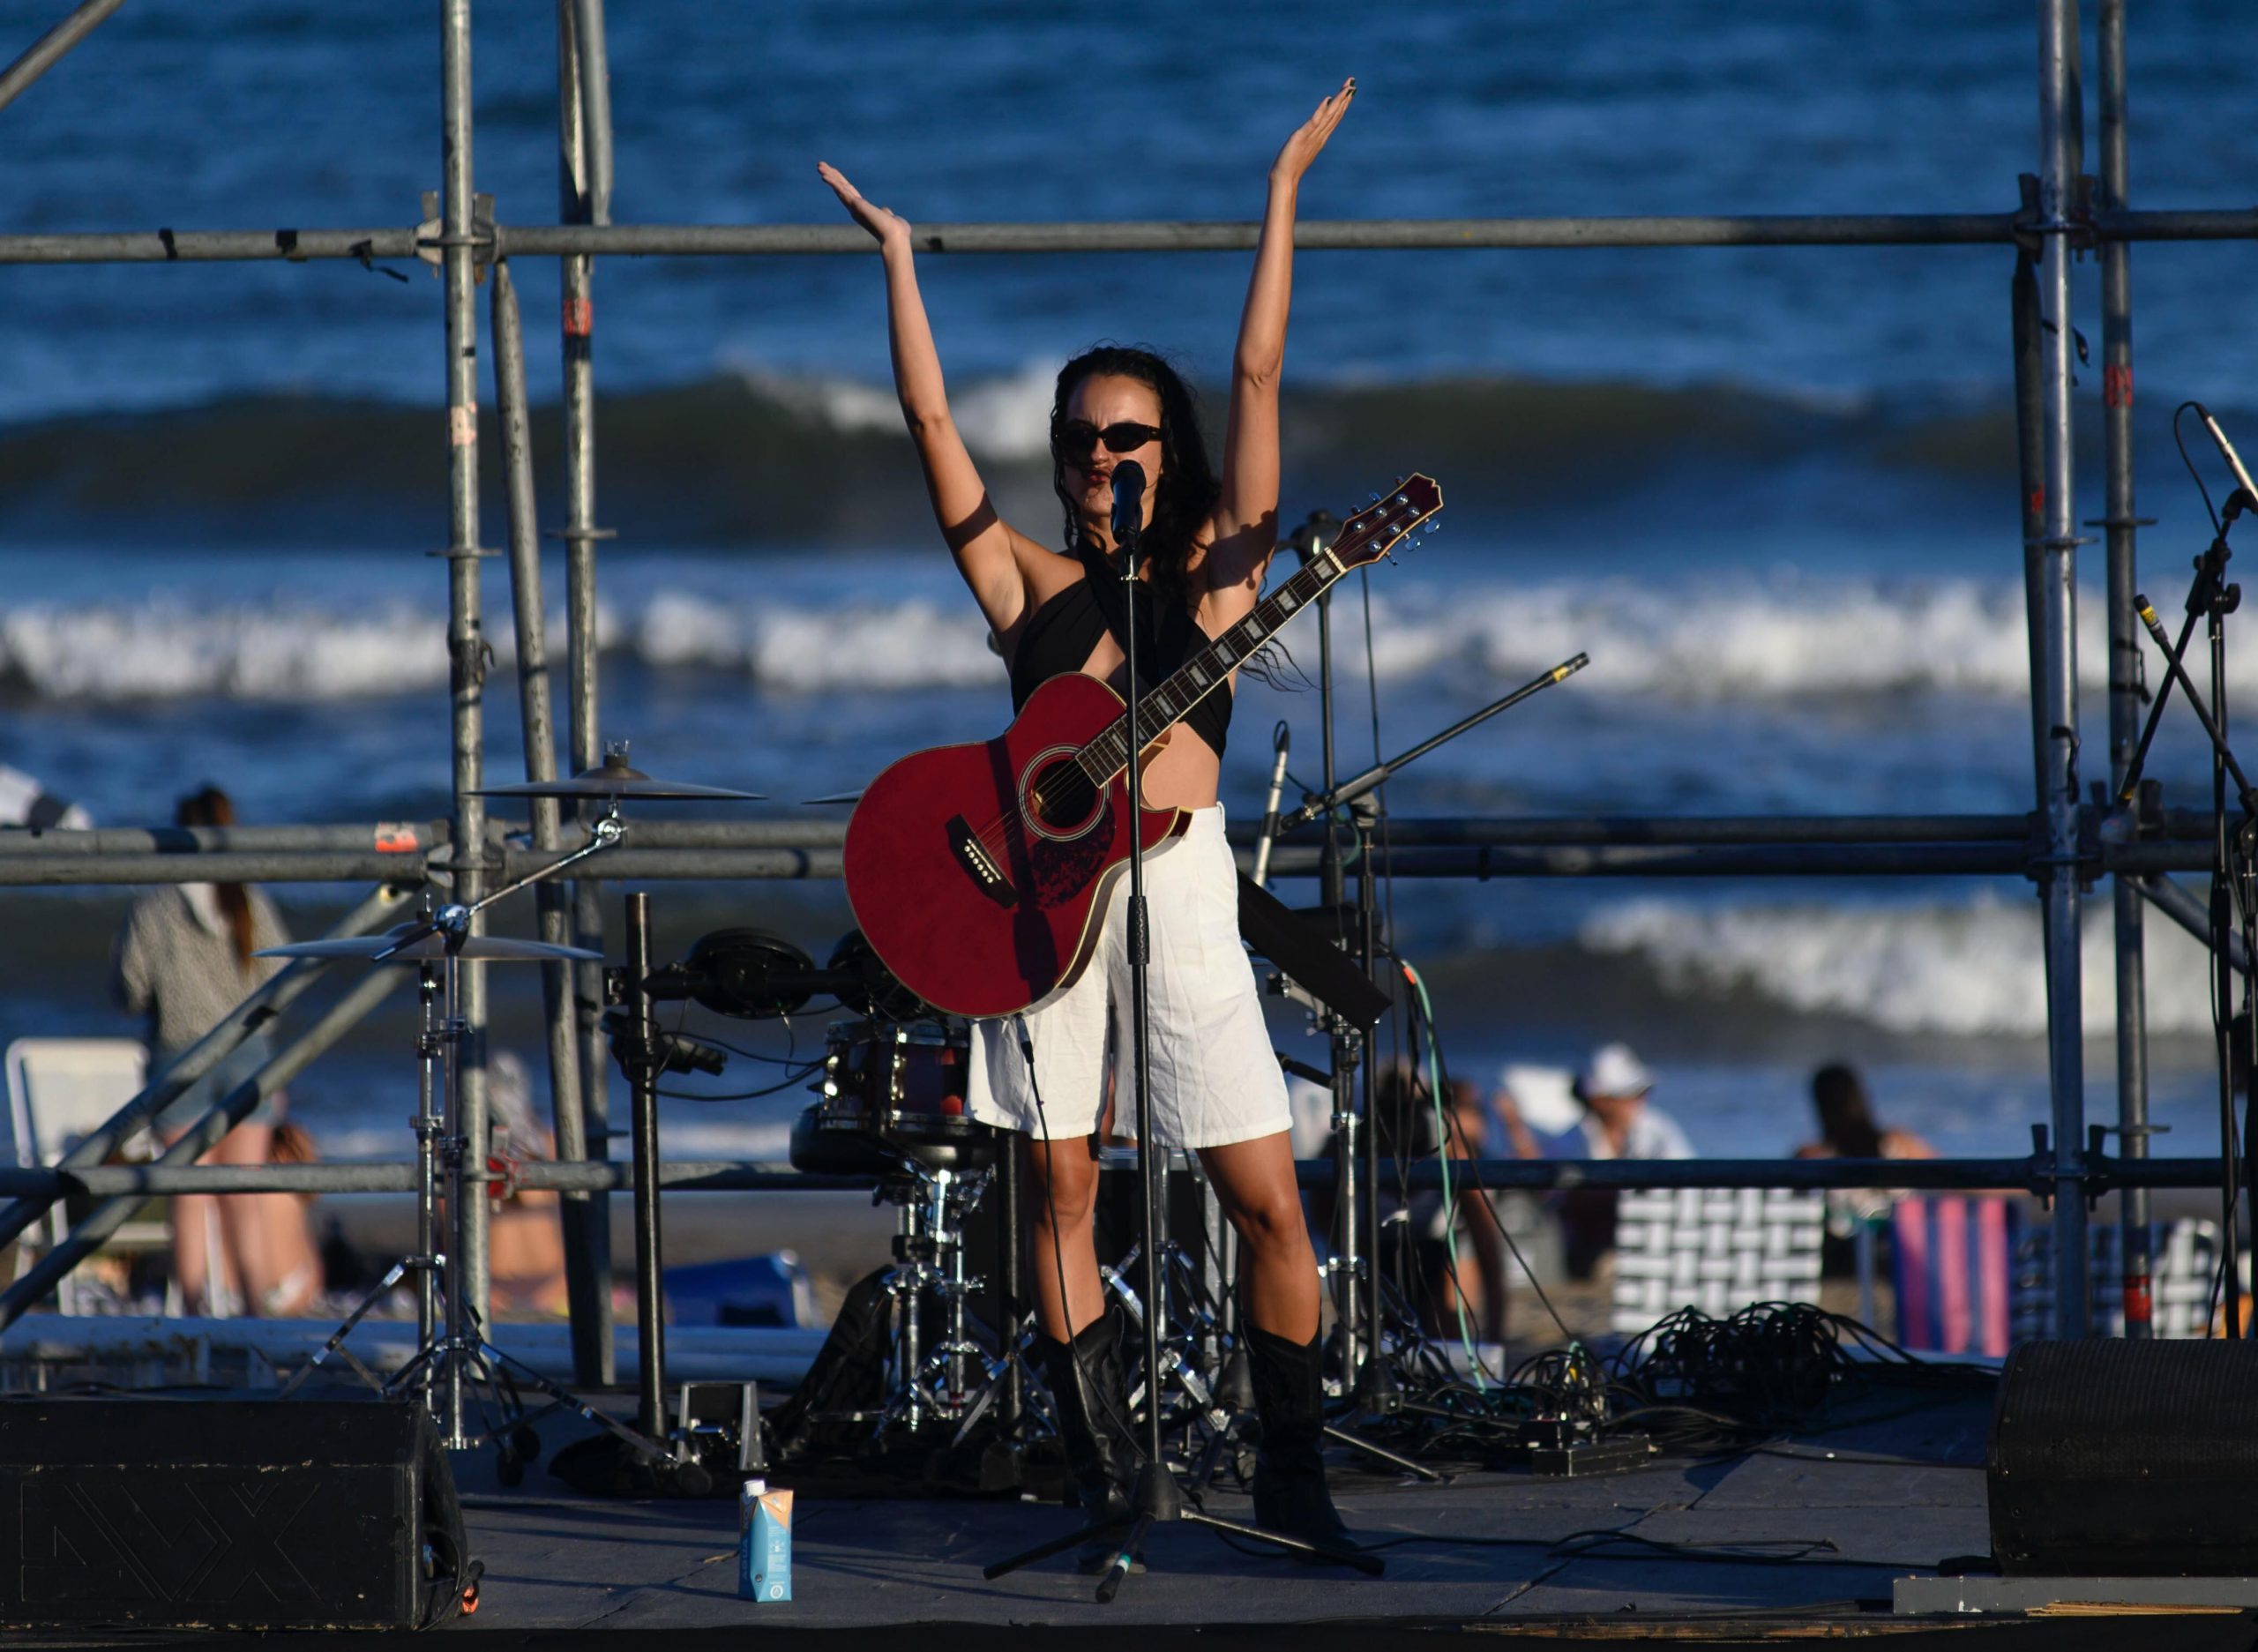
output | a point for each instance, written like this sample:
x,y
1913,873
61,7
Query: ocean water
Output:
x,y
1771,492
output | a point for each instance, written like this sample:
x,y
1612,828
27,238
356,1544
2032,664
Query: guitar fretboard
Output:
x,y
1208,671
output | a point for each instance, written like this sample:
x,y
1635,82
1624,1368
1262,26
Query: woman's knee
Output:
x,y
1062,1184
1266,1216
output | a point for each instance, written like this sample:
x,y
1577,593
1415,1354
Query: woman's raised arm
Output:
x,y
1246,522
976,536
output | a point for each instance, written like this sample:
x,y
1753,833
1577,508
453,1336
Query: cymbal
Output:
x,y
428,948
612,778
837,796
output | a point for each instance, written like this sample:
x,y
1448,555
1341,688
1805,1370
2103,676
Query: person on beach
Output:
x,y
183,960
1847,1130
525,1232
1620,1122
1215,1086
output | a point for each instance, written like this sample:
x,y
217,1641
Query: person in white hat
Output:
x,y
1619,1123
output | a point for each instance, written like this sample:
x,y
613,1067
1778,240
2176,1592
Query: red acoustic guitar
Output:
x,y
979,872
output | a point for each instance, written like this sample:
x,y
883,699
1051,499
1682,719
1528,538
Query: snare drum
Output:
x,y
897,1086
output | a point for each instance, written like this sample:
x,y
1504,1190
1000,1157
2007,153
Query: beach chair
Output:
x,y
2183,1256
1951,1265
58,1089
1714,1249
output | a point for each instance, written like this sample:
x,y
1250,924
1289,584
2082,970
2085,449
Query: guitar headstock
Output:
x,y
1382,526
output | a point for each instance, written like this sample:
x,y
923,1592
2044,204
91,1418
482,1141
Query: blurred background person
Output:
x,y
183,960
1620,1122
1847,1130
525,1232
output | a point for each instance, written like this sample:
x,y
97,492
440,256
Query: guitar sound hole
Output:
x,y
1063,797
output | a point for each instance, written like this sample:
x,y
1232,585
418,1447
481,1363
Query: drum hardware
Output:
x,y
752,975
929,1261
1351,1002
612,781
890,1103
453,1354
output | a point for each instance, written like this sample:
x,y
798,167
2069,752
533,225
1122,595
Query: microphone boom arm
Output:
x,y
1349,790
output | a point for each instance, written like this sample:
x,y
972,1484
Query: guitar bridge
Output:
x,y
972,856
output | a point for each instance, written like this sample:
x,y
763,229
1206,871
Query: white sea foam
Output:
x,y
1745,640
1006,417
1975,968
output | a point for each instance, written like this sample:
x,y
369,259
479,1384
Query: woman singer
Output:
x,y
1214,1082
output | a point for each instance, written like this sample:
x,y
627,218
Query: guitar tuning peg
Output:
x,y
1375,497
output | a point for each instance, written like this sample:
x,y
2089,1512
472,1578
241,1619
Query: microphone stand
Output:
x,y
1349,1270
1373,1386
2234,858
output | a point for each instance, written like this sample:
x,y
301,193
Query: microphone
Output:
x,y
2233,461
1128,503
1270,809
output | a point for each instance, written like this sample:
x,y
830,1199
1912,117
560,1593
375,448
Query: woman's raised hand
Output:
x,y
889,228
1303,146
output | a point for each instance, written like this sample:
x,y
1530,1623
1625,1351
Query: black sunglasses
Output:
x,y
1078,438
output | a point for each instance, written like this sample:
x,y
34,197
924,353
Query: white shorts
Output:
x,y
1214,1078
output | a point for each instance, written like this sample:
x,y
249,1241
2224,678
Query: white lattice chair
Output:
x,y
59,1089
1714,1249
2183,1257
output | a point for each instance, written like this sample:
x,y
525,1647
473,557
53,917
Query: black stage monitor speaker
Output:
x,y
231,1514
2118,1459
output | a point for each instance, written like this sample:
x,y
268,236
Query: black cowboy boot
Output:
x,y
1092,1400
1290,1494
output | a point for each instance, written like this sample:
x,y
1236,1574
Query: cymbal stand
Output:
x,y
452,1350
1365,1373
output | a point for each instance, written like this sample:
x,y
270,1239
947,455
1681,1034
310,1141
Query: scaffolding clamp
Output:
x,y
2032,227
432,240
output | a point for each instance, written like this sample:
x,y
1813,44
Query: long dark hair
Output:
x,y
211,807
1845,1117
1188,487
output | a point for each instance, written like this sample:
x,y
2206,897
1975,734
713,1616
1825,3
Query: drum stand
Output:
x,y
929,1384
452,1355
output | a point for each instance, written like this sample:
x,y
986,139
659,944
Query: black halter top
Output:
x,y
1060,636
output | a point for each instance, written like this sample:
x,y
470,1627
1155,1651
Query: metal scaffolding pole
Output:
x,y
2124,684
2061,142
589,1292
1436,235
584,182
48,48
819,860
141,1182
467,646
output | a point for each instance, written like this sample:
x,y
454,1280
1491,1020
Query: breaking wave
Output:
x,y
761,458
909,627
1973,968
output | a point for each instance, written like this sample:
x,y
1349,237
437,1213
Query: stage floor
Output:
x,y
1805,1535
